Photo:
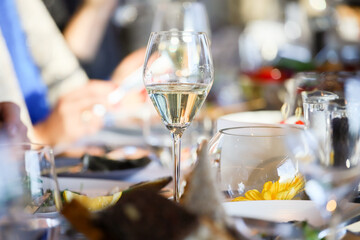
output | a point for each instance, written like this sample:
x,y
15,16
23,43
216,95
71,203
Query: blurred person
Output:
x,y
11,123
44,78
73,116
86,28
90,32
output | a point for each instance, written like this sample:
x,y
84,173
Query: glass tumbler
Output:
x,y
315,109
246,158
29,191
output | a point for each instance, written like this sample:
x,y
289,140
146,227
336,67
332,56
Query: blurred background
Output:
x,y
257,45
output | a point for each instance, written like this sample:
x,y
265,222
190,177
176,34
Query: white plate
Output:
x,y
277,210
91,187
247,118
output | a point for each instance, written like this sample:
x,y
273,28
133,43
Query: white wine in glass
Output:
x,y
178,75
177,104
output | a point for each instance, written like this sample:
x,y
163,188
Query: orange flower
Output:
x,y
276,190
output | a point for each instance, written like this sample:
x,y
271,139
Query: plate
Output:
x,y
114,175
289,210
90,187
245,118
276,210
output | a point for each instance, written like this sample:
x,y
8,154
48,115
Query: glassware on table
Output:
x,y
331,164
247,158
302,81
157,137
315,110
181,16
330,82
154,132
178,75
29,191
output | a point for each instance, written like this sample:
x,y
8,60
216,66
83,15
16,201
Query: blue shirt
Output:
x,y
32,86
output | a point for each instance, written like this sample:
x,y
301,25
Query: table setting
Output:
x,y
178,169
262,180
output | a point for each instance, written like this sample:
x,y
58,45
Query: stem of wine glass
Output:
x,y
176,152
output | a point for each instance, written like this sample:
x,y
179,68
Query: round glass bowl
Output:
x,y
254,161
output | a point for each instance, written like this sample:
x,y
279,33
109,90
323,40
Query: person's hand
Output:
x,y
77,114
10,121
129,65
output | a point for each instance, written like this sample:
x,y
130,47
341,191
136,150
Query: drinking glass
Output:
x,y
247,158
302,81
330,83
170,16
330,162
178,74
315,110
29,191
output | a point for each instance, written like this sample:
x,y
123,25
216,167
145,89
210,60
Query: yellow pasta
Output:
x,y
276,190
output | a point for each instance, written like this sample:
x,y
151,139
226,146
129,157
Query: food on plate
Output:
x,y
154,185
92,203
101,202
144,214
285,190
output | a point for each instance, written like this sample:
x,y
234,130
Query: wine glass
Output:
x,y
329,156
178,74
29,191
169,16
